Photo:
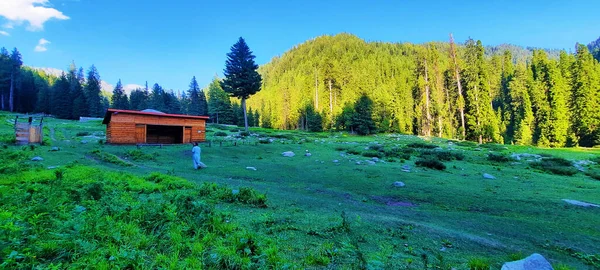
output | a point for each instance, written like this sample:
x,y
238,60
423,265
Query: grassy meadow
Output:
x,y
339,208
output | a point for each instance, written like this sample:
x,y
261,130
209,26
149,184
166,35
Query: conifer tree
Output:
x,y
194,106
77,96
157,99
250,117
585,107
119,99
61,103
362,118
219,105
241,78
522,114
16,63
203,104
5,73
92,93
138,99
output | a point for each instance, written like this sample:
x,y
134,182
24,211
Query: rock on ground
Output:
x,y
399,184
533,262
335,161
288,154
251,168
526,156
580,203
54,148
37,159
488,176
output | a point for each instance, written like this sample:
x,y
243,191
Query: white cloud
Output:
x,y
4,33
35,12
41,47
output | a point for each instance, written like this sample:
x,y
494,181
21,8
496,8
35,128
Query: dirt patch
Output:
x,y
391,201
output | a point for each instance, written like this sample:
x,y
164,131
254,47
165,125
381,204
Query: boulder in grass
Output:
x,y
488,176
533,262
37,159
54,149
251,168
580,203
399,184
288,154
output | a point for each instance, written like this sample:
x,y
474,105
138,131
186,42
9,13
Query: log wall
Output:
x,y
122,127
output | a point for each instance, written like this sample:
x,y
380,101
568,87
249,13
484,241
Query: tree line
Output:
x,y
443,89
76,93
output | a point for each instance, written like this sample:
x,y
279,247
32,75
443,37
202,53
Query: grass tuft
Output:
x,y
430,163
555,165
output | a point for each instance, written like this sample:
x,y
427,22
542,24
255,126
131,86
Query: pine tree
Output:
x,y
219,105
250,117
119,99
203,104
79,106
61,103
585,110
5,72
92,93
157,99
138,99
256,119
362,118
241,78
16,63
194,107
522,114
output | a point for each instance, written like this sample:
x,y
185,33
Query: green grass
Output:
x,y
520,212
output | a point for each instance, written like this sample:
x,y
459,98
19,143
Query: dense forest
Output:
x,y
503,94
74,94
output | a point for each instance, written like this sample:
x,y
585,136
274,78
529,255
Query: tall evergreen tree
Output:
x,y
92,93
79,103
138,99
5,72
16,63
219,105
522,113
241,78
61,106
119,99
585,107
203,104
157,99
194,98
362,118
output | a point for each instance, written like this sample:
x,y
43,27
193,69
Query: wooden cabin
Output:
x,y
153,127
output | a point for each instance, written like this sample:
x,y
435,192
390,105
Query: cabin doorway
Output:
x,y
164,134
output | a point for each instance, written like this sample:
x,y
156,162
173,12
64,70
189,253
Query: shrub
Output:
x,y
244,133
137,154
422,145
353,151
466,144
431,163
341,148
593,174
264,141
376,147
221,127
371,153
110,158
496,157
220,134
556,165
398,153
493,146
479,264
283,136
234,129
444,155
82,133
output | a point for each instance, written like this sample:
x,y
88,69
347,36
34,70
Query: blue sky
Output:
x,y
168,42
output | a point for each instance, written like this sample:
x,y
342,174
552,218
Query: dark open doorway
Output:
x,y
164,134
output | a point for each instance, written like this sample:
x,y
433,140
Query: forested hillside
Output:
x,y
436,89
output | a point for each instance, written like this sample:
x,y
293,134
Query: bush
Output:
x,y
220,134
556,165
466,144
244,133
593,174
137,154
497,157
398,153
479,264
110,158
431,163
493,146
422,145
376,147
264,141
444,155
82,133
283,136
371,153
353,151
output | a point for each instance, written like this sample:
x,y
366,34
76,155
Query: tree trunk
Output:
x,y
2,101
12,91
217,118
245,116
330,98
457,75
428,123
316,91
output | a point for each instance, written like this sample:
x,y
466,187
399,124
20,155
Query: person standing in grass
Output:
x,y
196,157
